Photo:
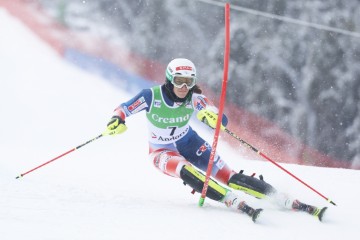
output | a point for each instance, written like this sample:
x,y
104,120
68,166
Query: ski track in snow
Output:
x,y
109,189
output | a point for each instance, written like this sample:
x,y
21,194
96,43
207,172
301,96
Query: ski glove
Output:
x,y
115,126
209,118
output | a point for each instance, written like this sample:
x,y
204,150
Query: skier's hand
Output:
x,y
115,126
209,118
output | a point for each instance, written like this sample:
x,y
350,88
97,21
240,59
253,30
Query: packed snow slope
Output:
x,y
109,189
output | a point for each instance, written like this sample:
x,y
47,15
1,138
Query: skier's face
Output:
x,y
181,92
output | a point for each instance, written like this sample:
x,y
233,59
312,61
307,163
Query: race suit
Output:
x,y
172,141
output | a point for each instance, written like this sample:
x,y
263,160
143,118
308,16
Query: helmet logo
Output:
x,y
183,68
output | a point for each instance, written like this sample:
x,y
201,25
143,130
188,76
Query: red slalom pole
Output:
x,y
31,170
276,164
221,105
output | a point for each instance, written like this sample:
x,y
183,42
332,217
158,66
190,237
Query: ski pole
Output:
x,y
31,170
282,168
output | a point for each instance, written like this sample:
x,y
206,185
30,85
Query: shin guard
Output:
x,y
251,185
196,179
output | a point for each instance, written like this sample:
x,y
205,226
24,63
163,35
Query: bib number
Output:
x,y
173,129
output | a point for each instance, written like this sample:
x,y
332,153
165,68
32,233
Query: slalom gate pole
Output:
x,y
221,105
275,163
23,174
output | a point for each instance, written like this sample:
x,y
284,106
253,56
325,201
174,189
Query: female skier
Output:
x,y
177,150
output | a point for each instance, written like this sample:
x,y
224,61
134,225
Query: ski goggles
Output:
x,y
180,81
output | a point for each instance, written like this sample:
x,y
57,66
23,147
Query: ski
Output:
x,y
312,210
320,215
256,214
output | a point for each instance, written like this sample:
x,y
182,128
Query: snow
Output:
x,y
108,189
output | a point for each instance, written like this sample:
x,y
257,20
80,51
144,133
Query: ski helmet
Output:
x,y
181,67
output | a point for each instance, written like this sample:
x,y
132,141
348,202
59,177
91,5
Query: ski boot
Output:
x,y
251,212
316,212
232,200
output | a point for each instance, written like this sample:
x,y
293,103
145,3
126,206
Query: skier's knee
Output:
x,y
196,179
168,162
251,185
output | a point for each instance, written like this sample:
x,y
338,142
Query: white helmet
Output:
x,y
180,67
